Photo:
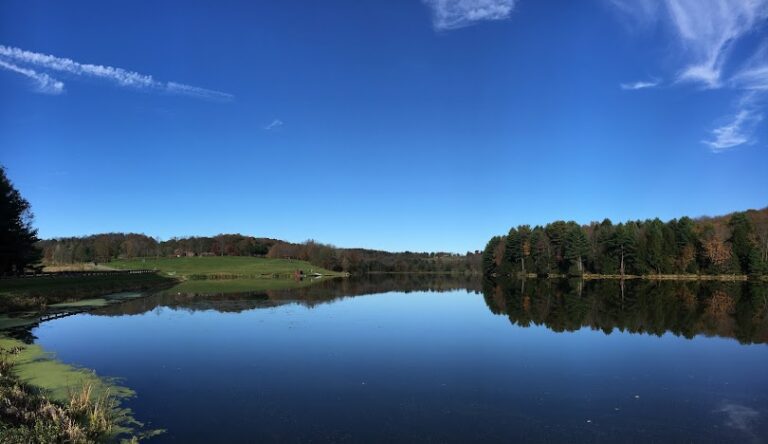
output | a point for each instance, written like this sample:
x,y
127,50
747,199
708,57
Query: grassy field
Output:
x,y
222,266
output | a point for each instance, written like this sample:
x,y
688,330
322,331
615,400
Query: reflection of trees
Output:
x,y
728,309
323,291
223,302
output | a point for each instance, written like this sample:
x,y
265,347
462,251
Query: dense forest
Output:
x,y
736,243
102,248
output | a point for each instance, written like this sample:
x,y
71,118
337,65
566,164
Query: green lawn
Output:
x,y
220,265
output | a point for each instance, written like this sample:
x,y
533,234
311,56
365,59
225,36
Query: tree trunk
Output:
x,y
621,268
621,283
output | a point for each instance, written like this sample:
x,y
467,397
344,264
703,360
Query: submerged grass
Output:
x,y
46,401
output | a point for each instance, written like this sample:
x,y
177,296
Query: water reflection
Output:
x,y
219,296
415,358
727,309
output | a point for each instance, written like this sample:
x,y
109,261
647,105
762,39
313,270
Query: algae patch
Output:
x,y
45,400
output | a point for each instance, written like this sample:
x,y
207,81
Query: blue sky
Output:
x,y
420,125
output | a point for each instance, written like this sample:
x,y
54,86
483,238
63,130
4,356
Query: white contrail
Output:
x,y
120,76
194,91
45,83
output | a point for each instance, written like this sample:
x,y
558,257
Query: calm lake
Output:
x,y
431,359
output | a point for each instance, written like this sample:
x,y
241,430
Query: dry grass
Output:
x,y
88,266
27,415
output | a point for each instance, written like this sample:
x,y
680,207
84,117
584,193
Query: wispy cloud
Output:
x,y
706,33
275,124
454,14
753,75
43,82
640,10
12,57
709,28
705,30
738,131
642,84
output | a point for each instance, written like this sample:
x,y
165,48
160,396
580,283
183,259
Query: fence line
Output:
x,y
49,274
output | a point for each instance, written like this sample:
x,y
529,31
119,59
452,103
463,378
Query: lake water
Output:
x,y
428,359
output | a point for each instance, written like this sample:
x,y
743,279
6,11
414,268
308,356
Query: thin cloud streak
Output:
x,y
737,132
119,76
753,75
455,14
639,85
275,124
194,91
43,82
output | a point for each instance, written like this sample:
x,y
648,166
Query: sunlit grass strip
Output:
x,y
223,267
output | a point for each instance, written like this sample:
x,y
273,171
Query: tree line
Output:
x,y
736,243
21,251
103,248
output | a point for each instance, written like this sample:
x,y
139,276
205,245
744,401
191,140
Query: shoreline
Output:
x,y
646,277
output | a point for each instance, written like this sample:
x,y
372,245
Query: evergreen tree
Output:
x,y
604,263
742,244
518,248
686,240
653,243
576,248
622,246
512,250
757,266
540,251
557,231
525,247
17,236
489,260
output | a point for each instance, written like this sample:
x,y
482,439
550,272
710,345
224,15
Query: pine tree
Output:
x,y
540,251
654,245
489,260
622,245
17,236
576,247
741,241
512,250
